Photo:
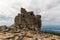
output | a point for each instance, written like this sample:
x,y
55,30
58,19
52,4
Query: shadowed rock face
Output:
x,y
28,19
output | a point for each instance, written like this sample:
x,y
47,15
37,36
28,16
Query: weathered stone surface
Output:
x,y
23,10
29,35
3,28
18,19
28,19
27,38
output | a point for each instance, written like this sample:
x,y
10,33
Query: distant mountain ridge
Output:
x,y
51,28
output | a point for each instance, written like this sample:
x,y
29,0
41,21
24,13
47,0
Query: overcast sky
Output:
x,y
49,9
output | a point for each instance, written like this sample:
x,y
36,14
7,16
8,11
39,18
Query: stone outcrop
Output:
x,y
28,20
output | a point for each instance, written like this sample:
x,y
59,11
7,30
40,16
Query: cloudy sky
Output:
x,y
49,9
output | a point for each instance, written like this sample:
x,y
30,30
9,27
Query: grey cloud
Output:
x,y
54,4
2,17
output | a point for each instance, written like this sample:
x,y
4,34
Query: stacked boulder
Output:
x,y
28,20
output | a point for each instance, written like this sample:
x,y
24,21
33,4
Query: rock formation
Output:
x,y
28,20
26,27
25,21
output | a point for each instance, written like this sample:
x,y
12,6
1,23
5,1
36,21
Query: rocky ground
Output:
x,y
27,35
